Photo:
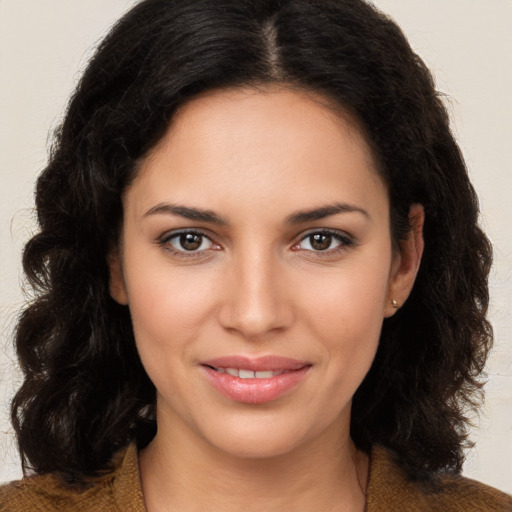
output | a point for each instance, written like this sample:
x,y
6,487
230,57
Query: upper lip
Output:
x,y
256,364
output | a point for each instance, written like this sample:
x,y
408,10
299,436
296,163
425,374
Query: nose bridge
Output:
x,y
256,303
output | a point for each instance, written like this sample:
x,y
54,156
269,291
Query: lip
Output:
x,y
257,364
255,391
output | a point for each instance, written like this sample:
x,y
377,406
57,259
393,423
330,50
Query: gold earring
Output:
x,y
394,303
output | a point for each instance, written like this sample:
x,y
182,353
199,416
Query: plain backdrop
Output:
x,y
44,44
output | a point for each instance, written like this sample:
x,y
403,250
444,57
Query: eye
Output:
x,y
323,241
188,241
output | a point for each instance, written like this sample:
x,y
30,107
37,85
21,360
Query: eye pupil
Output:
x,y
190,241
321,241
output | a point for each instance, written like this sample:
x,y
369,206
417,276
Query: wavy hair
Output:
x,y
85,393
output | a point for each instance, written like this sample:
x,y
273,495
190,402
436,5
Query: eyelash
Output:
x,y
345,242
165,241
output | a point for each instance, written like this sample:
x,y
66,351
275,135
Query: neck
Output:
x,y
189,474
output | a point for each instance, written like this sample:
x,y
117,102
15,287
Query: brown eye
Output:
x,y
325,241
190,241
320,241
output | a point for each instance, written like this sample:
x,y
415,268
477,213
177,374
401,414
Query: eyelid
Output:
x,y
343,237
164,240
345,241
173,233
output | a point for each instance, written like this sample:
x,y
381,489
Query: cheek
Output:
x,y
168,305
349,299
345,310
169,310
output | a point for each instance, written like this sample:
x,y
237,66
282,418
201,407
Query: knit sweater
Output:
x,y
389,490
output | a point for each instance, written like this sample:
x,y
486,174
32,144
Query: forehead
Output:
x,y
252,111
260,145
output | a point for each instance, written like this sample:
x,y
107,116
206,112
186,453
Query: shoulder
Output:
x,y
48,492
465,494
117,491
389,489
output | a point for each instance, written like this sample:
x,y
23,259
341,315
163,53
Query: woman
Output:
x,y
260,273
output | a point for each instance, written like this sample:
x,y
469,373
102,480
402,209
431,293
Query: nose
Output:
x,y
256,302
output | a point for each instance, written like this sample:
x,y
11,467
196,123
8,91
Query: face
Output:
x,y
257,263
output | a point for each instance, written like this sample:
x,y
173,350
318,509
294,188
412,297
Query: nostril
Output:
x,y
256,306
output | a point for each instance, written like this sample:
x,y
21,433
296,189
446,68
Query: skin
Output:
x,y
257,286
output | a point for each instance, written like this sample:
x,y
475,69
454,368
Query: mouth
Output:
x,y
255,380
249,374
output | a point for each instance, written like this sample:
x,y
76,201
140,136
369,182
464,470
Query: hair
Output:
x,y
85,393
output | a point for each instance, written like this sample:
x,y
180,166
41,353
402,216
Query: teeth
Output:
x,y
249,374
264,375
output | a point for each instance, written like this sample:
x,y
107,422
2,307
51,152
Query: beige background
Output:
x,y
467,43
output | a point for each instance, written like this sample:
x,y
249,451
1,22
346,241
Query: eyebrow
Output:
x,y
324,211
295,218
187,213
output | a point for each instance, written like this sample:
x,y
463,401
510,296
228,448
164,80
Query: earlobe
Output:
x,y
116,283
407,262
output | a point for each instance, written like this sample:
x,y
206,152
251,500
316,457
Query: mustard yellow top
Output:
x,y
120,491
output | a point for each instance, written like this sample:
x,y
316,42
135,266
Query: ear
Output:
x,y
116,282
406,262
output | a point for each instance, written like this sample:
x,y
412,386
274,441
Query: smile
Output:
x,y
249,374
255,380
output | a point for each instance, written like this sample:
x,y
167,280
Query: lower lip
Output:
x,y
255,391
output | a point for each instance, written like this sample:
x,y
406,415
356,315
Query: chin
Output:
x,y
267,436
255,447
